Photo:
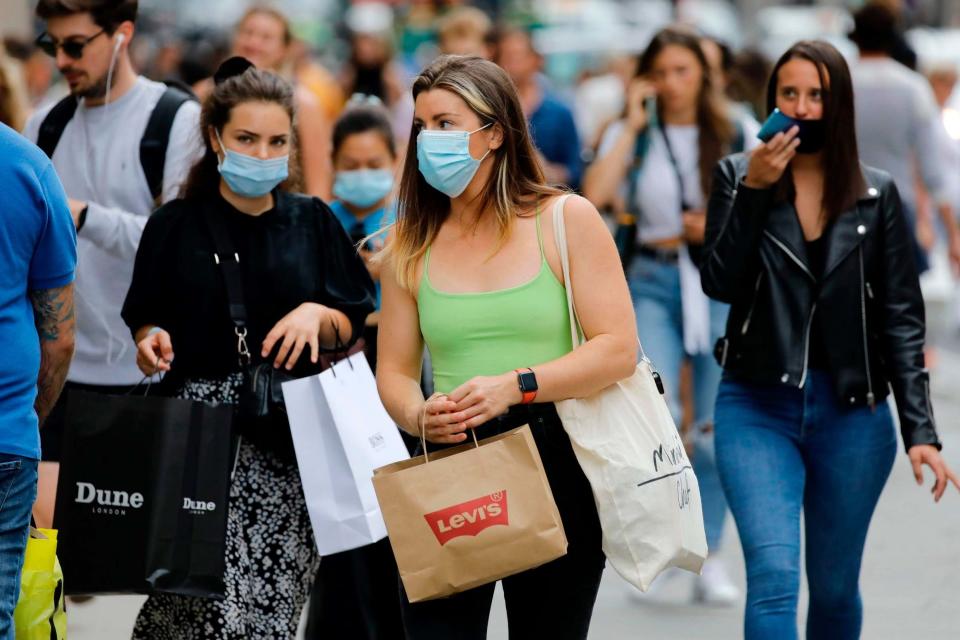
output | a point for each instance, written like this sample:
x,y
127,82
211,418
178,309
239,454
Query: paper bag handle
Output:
x,y
423,432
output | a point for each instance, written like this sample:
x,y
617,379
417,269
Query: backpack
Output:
x,y
153,144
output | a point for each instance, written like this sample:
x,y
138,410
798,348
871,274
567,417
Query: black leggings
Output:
x,y
552,601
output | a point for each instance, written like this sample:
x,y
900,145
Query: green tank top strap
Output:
x,y
543,254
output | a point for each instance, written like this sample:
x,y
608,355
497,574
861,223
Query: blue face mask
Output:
x,y
363,188
251,177
445,161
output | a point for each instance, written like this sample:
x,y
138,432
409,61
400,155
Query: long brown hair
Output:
x,y
716,131
841,159
253,85
517,178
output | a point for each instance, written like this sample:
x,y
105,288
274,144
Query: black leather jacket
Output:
x,y
869,298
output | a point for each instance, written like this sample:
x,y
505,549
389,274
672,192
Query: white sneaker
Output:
x,y
714,587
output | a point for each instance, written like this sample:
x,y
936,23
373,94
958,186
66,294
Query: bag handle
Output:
x,y
423,432
560,237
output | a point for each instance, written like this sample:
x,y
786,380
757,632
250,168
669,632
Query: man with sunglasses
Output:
x,y
115,169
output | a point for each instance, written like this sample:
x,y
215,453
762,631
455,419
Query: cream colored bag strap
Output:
x,y
560,237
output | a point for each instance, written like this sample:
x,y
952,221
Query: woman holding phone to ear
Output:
x,y
658,161
812,251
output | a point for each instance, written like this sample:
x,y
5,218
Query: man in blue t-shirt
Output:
x,y
551,121
38,256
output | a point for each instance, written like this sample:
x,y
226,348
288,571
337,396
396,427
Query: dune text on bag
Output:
x,y
198,507
111,502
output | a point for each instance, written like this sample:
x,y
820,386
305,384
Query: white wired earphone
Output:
x,y
113,63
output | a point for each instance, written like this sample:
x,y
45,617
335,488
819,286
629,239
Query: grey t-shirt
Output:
x,y
98,161
897,117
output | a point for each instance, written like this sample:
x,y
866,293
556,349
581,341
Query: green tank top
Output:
x,y
492,332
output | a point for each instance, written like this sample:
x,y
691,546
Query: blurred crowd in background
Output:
x,y
567,57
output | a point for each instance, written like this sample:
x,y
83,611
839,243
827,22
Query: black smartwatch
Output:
x,y
527,380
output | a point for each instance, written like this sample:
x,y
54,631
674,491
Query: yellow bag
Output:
x,y
40,613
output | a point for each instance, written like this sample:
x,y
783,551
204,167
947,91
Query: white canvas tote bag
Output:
x,y
628,446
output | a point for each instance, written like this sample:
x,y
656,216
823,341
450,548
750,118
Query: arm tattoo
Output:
x,y
51,308
54,316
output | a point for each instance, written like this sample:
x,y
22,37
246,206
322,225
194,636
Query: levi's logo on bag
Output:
x,y
469,518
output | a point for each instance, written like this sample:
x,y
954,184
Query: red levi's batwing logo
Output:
x,y
469,518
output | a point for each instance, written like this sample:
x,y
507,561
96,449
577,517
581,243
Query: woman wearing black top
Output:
x,y
813,254
301,279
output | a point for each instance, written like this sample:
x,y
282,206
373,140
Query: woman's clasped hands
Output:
x,y
445,418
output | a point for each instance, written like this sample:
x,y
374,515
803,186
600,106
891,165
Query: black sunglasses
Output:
x,y
72,48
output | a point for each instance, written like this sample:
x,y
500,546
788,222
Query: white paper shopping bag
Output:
x,y
341,433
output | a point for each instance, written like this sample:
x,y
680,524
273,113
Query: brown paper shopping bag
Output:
x,y
469,515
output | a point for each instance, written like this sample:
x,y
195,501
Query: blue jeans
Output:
x,y
18,490
655,289
783,450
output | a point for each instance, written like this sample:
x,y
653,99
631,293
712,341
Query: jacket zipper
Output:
x,y
806,347
789,253
753,305
871,399
813,309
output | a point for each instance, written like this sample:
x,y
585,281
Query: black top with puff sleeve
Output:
x,y
294,253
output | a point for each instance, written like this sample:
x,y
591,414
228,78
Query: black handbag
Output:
x,y
261,415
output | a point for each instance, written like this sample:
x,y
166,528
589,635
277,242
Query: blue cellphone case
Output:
x,y
777,122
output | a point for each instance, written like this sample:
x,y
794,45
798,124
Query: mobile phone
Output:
x,y
650,108
776,123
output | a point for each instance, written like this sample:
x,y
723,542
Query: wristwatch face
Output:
x,y
528,381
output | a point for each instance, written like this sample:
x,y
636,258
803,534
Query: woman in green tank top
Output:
x,y
470,269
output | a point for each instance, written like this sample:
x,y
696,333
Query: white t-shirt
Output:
x,y
98,161
658,193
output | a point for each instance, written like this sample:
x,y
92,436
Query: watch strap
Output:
x,y
528,396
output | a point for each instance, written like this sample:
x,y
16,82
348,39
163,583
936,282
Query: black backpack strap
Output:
x,y
156,137
53,125
226,257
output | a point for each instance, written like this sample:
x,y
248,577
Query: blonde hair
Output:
x,y
464,22
517,179
13,93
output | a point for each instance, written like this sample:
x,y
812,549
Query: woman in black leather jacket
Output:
x,y
812,252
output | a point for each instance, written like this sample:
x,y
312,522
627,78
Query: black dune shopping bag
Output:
x,y
142,495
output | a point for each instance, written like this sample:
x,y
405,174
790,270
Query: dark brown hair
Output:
x,y
360,119
875,29
516,183
253,85
841,160
716,131
107,14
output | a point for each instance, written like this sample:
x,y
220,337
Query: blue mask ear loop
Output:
x,y
223,149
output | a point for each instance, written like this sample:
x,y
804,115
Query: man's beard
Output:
x,y
95,91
